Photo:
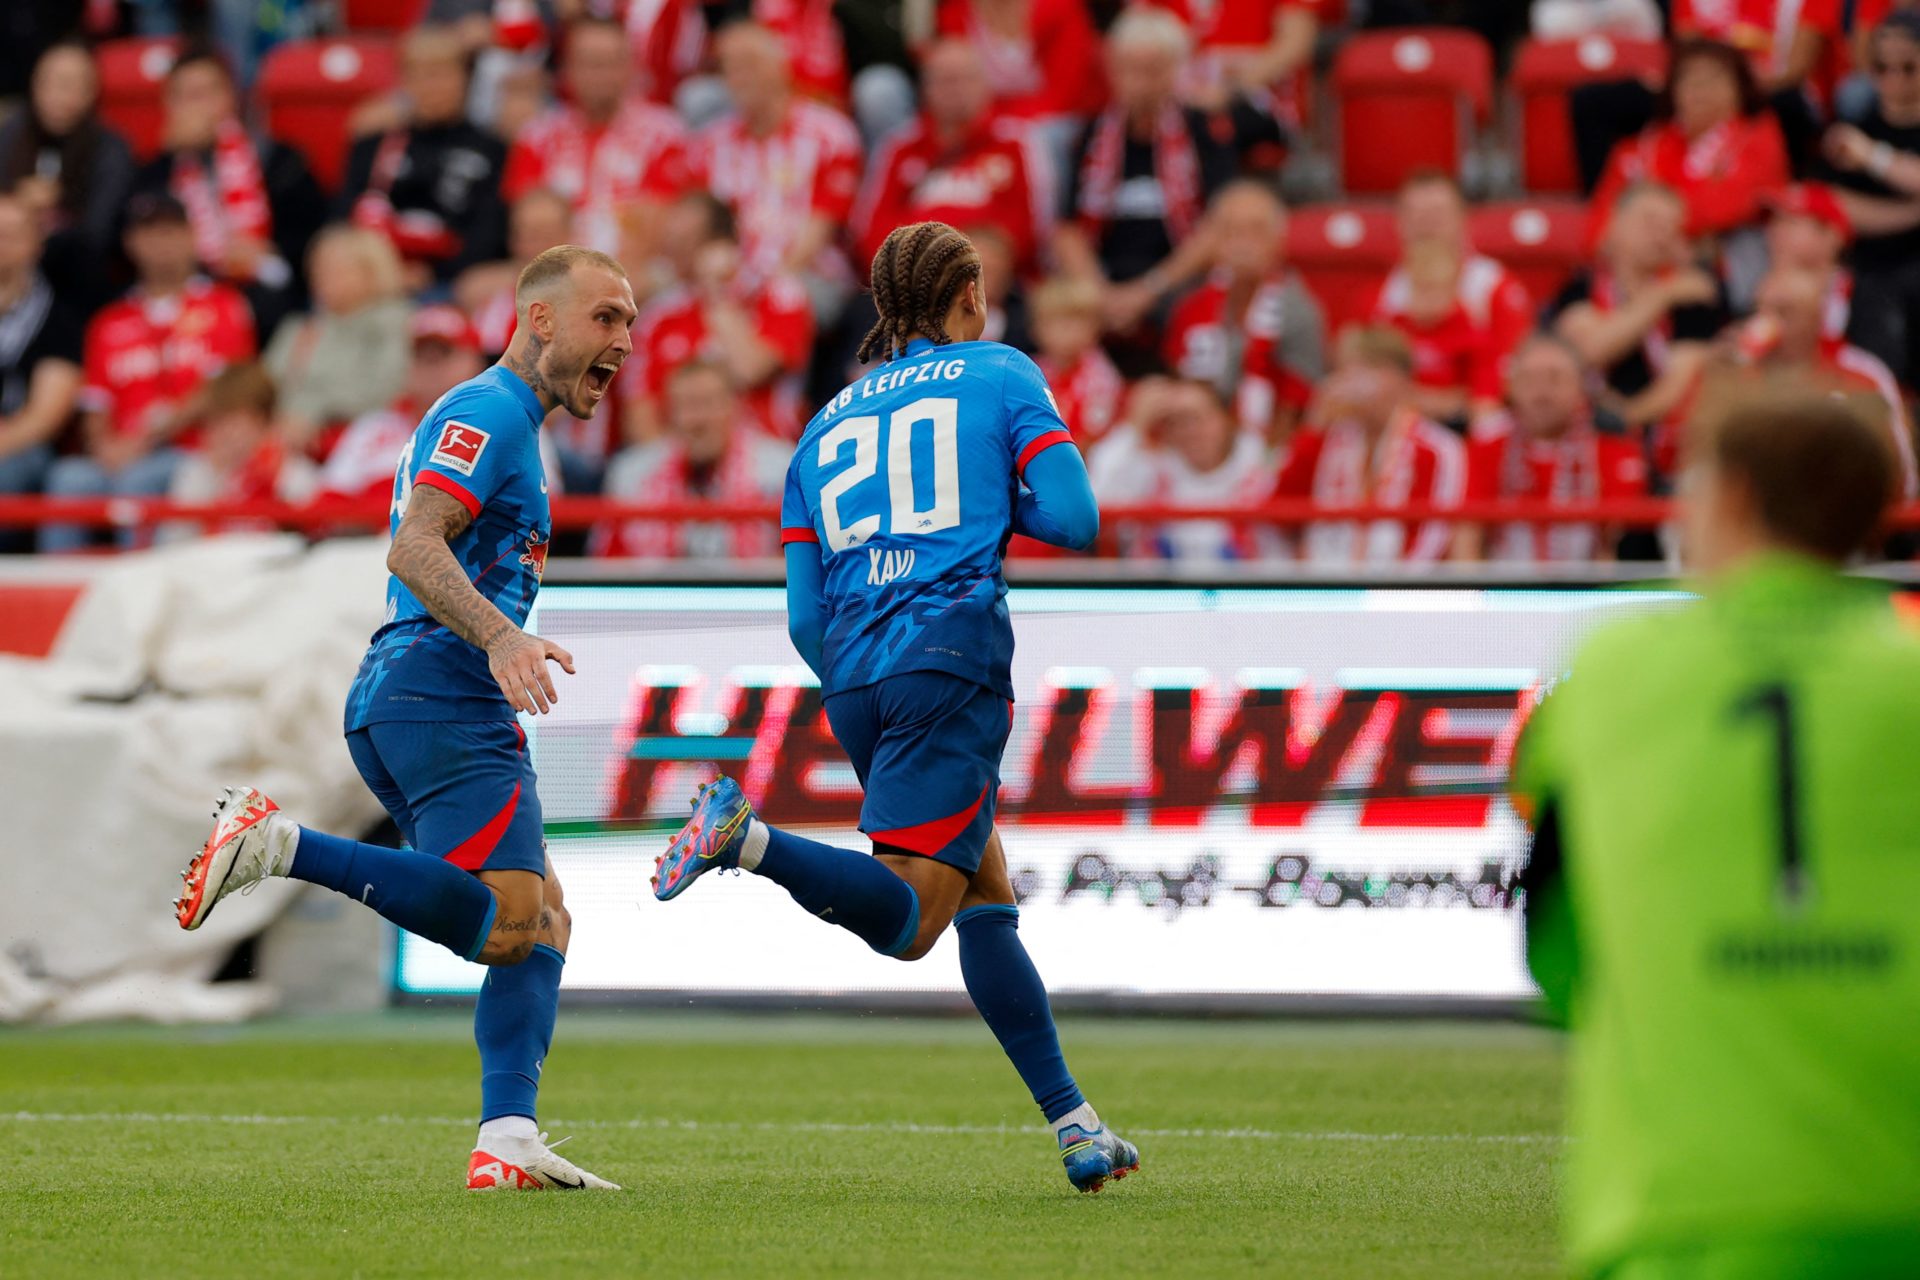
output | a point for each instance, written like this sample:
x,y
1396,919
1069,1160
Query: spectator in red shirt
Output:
x,y
1086,386
758,329
958,163
1808,230
1367,443
147,359
431,184
241,457
251,201
789,169
1251,328
617,157
1713,142
1143,172
1042,56
445,352
1253,48
1456,362
1492,307
711,452
1544,446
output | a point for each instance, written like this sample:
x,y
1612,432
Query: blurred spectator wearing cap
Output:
x,y
445,352
1252,49
1874,166
787,167
1808,230
1189,453
1713,141
1250,328
759,330
1367,443
1042,56
1464,311
241,457
1544,446
538,220
147,358
39,355
349,354
1786,338
711,451
1644,312
616,156
71,170
1144,170
1086,387
250,200
432,183
958,162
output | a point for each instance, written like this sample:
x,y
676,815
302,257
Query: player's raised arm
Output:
x,y
1057,505
422,560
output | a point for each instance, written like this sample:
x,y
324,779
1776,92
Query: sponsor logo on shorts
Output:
x,y
460,447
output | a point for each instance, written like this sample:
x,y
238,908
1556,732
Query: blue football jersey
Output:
x,y
479,442
907,482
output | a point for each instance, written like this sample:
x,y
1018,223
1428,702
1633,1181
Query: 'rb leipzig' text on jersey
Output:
x,y
907,482
479,443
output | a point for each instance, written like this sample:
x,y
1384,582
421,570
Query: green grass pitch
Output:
x,y
782,1146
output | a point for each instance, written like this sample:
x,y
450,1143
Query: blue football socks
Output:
x,y
1006,989
423,895
853,890
513,1025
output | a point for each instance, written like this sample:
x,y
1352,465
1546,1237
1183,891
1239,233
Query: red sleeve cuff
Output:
x,y
434,480
788,536
1039,445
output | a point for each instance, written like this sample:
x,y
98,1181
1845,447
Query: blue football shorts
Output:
x,y
464,792
927,748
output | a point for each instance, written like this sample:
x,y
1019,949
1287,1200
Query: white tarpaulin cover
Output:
x,y
180,671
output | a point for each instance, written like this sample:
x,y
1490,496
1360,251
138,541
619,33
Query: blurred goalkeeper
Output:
x,y
431,718
1722,895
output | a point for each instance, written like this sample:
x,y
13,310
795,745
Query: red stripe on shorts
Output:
x,y
480,845
929,838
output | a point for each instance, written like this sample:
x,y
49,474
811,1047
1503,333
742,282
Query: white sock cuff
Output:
x,y
509,1127
1082,1115
754,847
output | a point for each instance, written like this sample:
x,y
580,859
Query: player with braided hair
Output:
x,y
900,499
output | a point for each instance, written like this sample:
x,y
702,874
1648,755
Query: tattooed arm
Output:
x,y
421,559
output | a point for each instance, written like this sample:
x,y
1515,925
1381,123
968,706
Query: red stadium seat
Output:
x,y
1541,241
1343,252
393,16
1408,100
1544,74
133,75
310,87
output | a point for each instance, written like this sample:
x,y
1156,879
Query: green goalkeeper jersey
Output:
x,y
1724,901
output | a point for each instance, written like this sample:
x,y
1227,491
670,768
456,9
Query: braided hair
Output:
x,y
918,272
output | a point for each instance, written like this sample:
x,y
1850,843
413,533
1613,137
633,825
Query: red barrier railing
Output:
x,y
339,515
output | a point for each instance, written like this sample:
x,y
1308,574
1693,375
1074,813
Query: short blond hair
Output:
x,y
550,266
372,250
1376,346
1071,295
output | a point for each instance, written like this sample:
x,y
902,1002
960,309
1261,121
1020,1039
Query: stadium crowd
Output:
x,y
218,313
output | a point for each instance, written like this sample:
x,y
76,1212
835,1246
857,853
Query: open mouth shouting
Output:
x,y
598,377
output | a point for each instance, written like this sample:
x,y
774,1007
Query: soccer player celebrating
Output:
x,y
1726,813
431,714
899,502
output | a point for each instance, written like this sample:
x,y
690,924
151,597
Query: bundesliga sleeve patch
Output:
x,y
460,447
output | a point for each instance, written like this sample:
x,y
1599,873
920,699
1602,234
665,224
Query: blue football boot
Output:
x,y
1094,1156
711,839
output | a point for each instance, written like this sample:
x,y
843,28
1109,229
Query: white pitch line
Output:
x,y
772,1126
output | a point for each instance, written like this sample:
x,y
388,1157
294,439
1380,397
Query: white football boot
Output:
x,y
527,1164
251,840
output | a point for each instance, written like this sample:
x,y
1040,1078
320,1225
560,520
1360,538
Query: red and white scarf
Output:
x,y
1575,461
1176,163
416,234
230,202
